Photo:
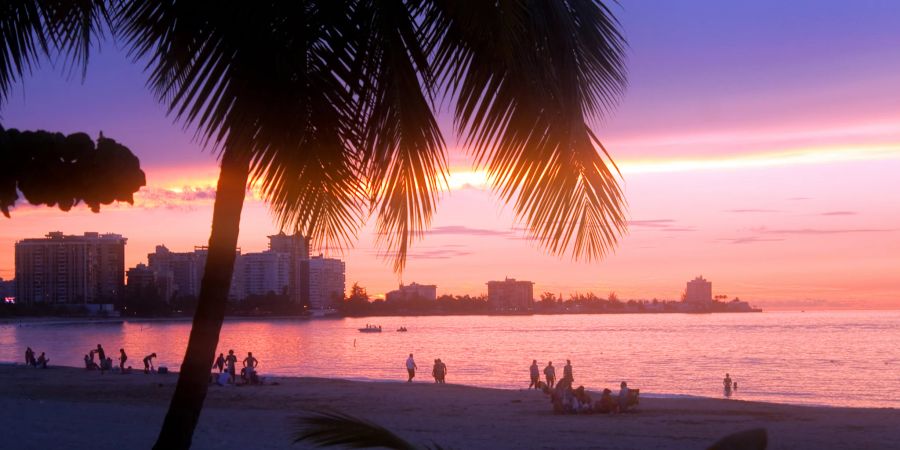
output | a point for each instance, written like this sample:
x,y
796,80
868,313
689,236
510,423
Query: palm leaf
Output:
x,y
31,29
528,75
332,428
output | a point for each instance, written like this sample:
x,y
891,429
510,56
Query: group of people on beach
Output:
x,y
227,367
571,400
106,362
438,371
40,361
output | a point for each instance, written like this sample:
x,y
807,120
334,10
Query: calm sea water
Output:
x,y
823,358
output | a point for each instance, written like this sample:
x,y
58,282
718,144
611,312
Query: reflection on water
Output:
x,y
833,358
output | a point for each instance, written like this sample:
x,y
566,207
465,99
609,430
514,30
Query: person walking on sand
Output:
x,y
220,363
442,371
122,358
535,374
567,371
148,363
411,368
231,361
436,371
550,374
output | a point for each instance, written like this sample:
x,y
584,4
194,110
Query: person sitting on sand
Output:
x,y
29,357
122,358
220,363
585,402
148,362
567,371
89,363
411,368
535,374
606,404
623,397
562,397
550,374
231,362
42,361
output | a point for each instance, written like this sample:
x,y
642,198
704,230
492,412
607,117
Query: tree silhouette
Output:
x,y
52,169
329,107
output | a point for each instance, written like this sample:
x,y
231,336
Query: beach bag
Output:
x,y
162,370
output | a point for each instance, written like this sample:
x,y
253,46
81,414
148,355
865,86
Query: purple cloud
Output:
x,y
457,230
752,210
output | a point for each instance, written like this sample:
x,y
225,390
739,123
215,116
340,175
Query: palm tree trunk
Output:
x,y
190,392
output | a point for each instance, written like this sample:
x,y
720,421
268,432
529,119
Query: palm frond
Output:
x,y
403,150
32,29
332,428
527,77
264,80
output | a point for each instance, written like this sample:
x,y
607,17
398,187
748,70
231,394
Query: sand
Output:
x,y
73,408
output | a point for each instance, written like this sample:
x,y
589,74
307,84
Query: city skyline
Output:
x,y
725,171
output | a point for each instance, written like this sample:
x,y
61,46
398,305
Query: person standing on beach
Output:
x,y
550,374
29,357
436,371
442,371
231,361
102,354
122,358
727,384
220,363
567,371
411,368
148,363
535,374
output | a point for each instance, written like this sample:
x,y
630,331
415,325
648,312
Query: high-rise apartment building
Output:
x,y
184,270
61,269
296,247
511,295
264,273
413,291
324,282
698,292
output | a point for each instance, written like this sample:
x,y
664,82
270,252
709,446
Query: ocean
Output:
x,y
834,358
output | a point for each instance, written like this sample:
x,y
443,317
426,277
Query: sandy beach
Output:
x,y
80,409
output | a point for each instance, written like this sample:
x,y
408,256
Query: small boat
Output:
x,y
370,330
402,330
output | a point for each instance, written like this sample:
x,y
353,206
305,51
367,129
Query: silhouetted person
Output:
x,y
442,371
88,363
42,361
727,384
550,374
122,358
231,361
148,362
29,357
435,372
567,371
623,397
535,374
102,357
220,363
250,364
411,368
735,386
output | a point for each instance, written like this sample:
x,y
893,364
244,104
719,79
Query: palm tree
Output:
x,y
328,107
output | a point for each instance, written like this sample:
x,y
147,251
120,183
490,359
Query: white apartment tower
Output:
x,y
324,283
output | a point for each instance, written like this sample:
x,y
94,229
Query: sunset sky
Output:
x,y
759,145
